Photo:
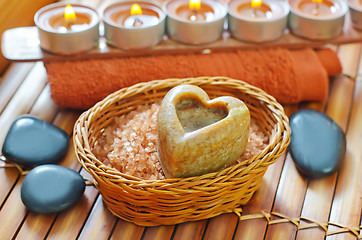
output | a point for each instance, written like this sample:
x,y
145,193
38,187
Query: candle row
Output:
x,y
70,29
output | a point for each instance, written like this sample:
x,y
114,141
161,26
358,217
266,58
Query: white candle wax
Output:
x,y
120,15
52,19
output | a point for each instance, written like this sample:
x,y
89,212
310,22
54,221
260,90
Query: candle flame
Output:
x,y
317,1
136,9
195,5
255,3
69,15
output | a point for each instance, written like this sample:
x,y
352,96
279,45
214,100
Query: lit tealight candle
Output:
x,y
134,25
67,29
355,7
257,20
194,21
317,19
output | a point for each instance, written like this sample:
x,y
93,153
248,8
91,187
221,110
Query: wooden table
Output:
x,y
287,206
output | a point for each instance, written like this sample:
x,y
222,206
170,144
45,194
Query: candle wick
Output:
x,y
194,15
254,13
137,22
69,25
197,16
316,12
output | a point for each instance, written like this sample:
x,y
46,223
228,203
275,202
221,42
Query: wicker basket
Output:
x,y
172,201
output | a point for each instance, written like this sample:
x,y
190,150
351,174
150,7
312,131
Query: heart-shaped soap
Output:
x,y
197,135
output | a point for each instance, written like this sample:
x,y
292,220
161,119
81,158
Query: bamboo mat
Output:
x,y
287,206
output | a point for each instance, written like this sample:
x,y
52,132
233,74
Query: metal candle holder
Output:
x,y
195,33
69,42
258,29
137,37
318,27
356,14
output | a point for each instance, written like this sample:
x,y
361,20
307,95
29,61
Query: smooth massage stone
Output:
x,y
317,143
31,142
51,188
197,135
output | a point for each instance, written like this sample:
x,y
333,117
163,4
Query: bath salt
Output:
x,y
129,143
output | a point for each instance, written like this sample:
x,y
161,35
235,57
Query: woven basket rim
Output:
x,y
109,172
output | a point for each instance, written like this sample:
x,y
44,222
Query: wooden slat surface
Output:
x,y
335,199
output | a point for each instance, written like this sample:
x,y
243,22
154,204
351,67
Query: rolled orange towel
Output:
x,y
290,76
330,61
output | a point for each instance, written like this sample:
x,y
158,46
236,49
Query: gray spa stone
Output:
x,y
317,143
51,188
32,142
